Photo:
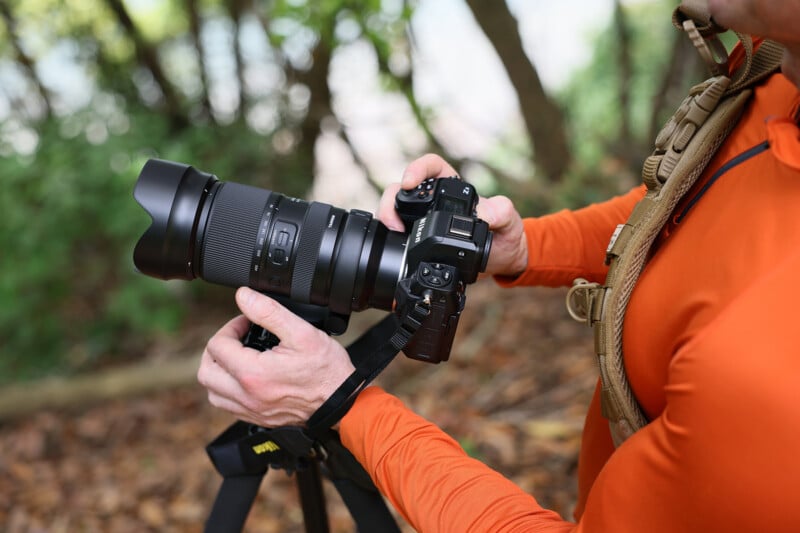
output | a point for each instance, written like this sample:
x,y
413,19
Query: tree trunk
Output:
x,y
192,9
17,401
624,75
319,105
24,59
626,146
148,58
543,118
236,11
162,371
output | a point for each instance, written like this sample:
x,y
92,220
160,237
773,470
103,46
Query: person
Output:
x,y
712,347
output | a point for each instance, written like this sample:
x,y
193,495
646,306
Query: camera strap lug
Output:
x,y
370,354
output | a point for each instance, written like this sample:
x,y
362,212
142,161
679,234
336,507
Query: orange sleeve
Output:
x,y
429,479
570,244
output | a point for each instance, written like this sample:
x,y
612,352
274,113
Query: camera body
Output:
x,y
447,248
320,261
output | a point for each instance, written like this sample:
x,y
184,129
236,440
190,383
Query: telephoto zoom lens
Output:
x,y
234,234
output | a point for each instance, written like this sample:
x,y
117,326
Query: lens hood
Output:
x,y
173,195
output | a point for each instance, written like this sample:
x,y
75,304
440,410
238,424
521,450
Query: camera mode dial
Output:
x,y
412,204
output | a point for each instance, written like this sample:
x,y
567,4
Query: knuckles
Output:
x,y
504,206
254,385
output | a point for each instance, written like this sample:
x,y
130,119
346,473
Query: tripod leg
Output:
x,y
233,503
312,498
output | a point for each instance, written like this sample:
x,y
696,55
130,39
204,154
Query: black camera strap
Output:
x,y
369,362
244,452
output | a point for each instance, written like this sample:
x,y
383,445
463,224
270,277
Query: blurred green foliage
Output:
x,y
69,297
161,85
68,291
606,160
609,138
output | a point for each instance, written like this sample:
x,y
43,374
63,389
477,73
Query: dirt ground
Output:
x,y
514,394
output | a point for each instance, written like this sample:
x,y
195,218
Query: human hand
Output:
x,y
279,387
509,253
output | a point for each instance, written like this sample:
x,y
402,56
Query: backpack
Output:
x,y
683,148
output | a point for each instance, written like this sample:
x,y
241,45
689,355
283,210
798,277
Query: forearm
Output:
x,y
428,477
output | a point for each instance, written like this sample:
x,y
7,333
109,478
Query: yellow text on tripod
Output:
x,y
265,447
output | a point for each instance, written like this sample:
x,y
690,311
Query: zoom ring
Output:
x,y
231,234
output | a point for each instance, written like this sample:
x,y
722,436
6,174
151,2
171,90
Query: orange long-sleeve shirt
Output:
x,y
712,351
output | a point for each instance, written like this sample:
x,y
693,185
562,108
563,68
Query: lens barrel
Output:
x,y
234,234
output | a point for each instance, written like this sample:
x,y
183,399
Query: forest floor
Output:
x,y
514,394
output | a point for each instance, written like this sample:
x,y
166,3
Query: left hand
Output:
x,y
282,386
509,253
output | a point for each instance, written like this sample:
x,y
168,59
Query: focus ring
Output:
x,y
308,245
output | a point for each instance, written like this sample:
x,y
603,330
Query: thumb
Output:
x,y
497,211
271,315
486,212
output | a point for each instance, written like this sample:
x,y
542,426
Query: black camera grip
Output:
x,y
260,338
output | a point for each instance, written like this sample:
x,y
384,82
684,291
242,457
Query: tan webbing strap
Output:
x,y
683,149
692,17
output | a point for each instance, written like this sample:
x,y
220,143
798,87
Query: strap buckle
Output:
x,y
585,301
710,47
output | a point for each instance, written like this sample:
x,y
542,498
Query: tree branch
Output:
x,y
542,116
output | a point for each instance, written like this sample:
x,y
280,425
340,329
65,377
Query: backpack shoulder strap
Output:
x,y
682,150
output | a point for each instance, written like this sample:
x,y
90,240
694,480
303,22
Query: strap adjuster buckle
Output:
x,y
585,301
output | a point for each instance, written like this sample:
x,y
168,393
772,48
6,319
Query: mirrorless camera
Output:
x,y
321,261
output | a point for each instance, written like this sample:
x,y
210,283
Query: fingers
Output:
x,y
386,210
509,253
235,327
213,376
284,386
427,166
225,359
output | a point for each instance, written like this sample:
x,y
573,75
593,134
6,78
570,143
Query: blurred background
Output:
x,y
552,103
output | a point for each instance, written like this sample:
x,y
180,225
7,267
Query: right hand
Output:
x,y
509,253
283,386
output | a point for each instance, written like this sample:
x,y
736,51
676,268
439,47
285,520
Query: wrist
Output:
x,y
518,263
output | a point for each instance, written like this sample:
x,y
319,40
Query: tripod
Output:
x,y
244,452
